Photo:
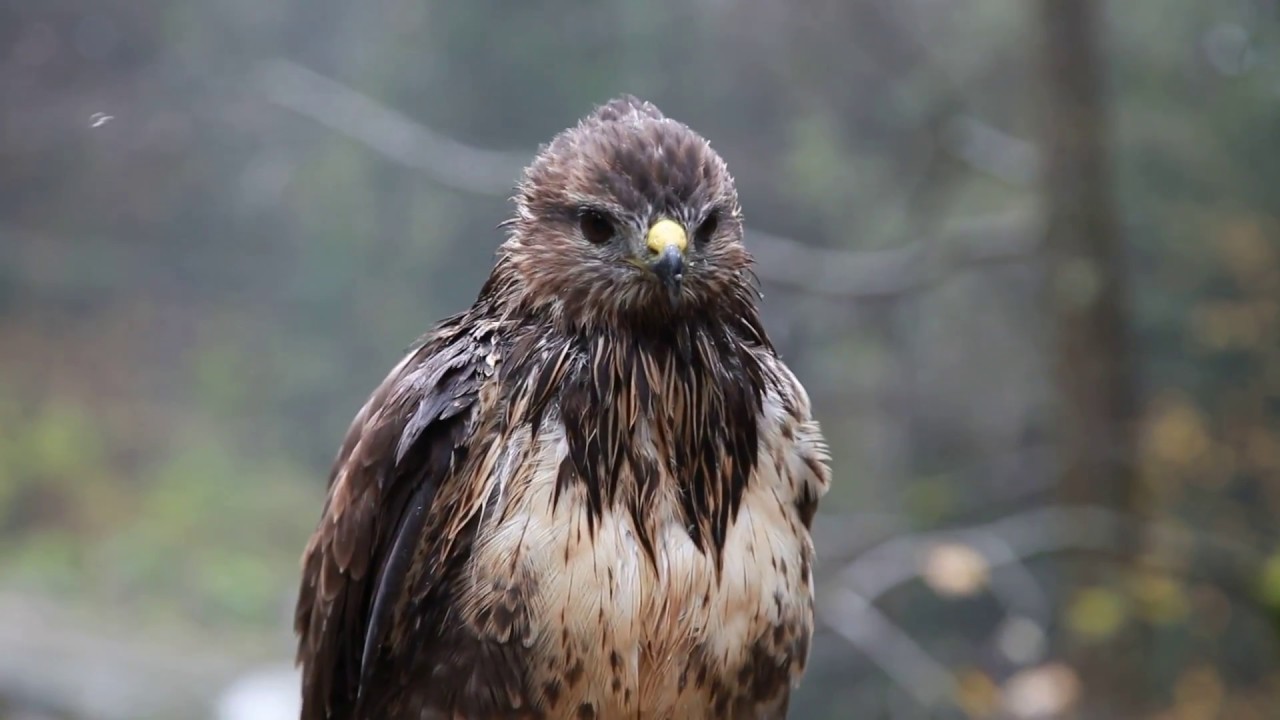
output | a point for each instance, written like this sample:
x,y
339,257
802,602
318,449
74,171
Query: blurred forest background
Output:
x,y
1023,253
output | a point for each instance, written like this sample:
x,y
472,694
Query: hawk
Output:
x,y
589,495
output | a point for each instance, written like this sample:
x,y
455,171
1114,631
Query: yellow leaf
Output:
x,y
1176,435
1096,613
1271,580
976,693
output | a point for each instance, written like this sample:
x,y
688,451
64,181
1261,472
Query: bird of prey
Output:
x,y
589,495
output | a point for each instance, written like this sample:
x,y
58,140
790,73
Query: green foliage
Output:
x,y
200,529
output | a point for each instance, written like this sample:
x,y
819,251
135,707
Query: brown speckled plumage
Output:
x,y
589,495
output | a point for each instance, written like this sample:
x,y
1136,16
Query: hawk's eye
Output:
x,y
707,228
597,227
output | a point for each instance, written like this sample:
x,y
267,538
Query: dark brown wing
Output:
x,y
400,448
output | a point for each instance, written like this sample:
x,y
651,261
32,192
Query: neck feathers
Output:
x,y
677,405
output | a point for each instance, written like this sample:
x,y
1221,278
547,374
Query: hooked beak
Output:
x,y
667,242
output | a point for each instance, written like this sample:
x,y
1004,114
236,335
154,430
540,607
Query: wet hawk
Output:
x,y
589,495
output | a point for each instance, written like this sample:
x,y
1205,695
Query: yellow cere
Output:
x,y
666,233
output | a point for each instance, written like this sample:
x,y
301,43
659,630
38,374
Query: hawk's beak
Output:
x,y
667,242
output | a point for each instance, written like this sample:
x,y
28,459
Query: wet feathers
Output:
x,y
589,495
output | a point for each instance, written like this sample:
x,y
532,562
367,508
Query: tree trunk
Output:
x,y
1088,302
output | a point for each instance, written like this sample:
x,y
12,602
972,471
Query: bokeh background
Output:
x,y
1023,253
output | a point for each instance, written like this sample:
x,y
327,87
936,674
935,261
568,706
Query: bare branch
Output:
x,y
988,149
391,134
847,605
966,136
862,275
892,649
1017,537
893,272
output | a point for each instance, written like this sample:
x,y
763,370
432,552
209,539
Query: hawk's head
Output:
x,y
629,217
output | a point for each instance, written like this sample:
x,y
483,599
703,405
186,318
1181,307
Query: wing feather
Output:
x,y
400,448
391,580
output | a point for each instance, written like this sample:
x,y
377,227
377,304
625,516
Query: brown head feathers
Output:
x,y
577,248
